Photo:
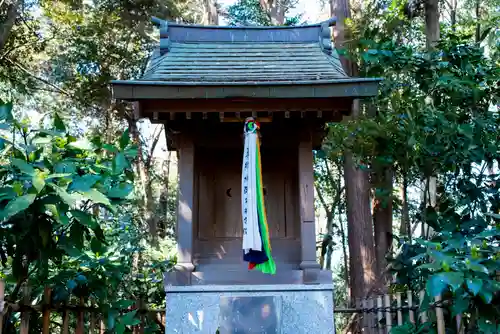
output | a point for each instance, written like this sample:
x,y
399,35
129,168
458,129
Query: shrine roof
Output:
x,y
248,61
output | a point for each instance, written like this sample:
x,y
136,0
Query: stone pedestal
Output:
x,y
250,309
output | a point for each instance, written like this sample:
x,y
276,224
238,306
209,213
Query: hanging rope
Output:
x,y
256,242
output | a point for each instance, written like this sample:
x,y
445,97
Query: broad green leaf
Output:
x,y
490,232
17,205
96,196
123,304
71,250
131,152
7,193
460,305
99,168
50,133
67,198
65,167
18,188
71,284
58,175
38,181
41,140
52,208
110,148
76,234
59,123
475,266
455,279
129,319
487,326
44,233
119,163
120,191
84,183
124,139
486,295
466,130
6,111
84,218
437,283
97,246
82,144
404,329
119,328
99,234
474,285
23,166
111,321
81,279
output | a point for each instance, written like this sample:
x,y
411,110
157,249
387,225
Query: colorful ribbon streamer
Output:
x,y
256,242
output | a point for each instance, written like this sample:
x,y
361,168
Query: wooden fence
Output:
x,y
78,318
374,315
380,314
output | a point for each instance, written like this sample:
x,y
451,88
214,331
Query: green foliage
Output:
x,y
250,13
60,201
341,298
435,116
49,181
247,13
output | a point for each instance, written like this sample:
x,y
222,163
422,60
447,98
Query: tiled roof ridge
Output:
x,y
192,33
210,54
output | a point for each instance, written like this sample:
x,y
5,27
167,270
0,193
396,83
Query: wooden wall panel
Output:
x,y
219,215
205,196
228,200
291,208
274,184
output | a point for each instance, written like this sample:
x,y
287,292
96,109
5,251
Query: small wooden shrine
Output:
x,y
202,83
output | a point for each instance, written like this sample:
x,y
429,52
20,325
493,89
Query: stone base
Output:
x,y
250,309
228,275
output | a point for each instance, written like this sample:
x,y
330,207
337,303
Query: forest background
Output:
x,y
407,188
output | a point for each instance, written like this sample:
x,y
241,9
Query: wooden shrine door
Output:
x,y
218,188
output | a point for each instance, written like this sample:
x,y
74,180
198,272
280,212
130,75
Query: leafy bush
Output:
x,y
63,207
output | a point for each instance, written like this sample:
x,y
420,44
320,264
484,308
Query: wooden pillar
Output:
x,y
306,202
185,204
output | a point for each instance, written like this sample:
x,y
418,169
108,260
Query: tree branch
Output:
x,y
156,138
46,82
323,202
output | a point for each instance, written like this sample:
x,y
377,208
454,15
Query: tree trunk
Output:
x,y
143,165
359,230
328,238
432,23
432,33
478,18
382,217
453,13
211,16
276,10
381,183
10,20
405,228
362,263
344,239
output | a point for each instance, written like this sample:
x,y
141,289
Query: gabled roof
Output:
x,y
242,62
242,59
